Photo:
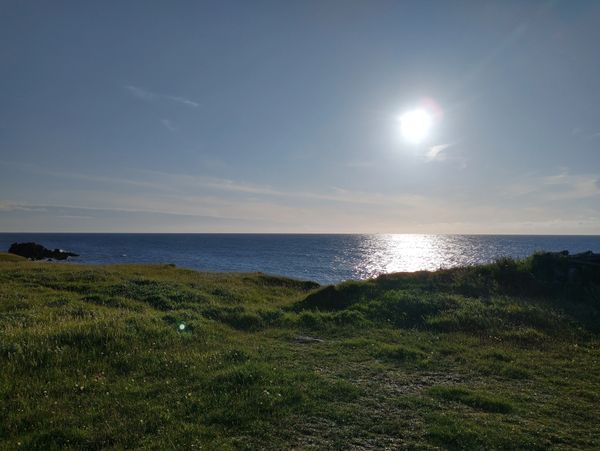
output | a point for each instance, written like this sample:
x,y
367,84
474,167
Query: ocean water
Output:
x,y
322,258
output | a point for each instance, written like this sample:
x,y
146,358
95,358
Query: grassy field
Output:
x,y
501,356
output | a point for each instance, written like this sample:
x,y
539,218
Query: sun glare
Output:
x,y
415,125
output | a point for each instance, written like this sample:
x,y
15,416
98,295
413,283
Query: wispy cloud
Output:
x,y
187,182
182,185
150,96
586,135
141,93
562,186
183,101
15,206
135,200
435,153
68,207
169,125
567,186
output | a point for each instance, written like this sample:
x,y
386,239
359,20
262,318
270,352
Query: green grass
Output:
x,y
475,399
5,257
500,356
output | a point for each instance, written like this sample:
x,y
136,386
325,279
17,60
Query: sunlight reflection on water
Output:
x,y
397,253
380,254
322,258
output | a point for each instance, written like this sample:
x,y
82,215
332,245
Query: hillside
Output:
x,y
152,356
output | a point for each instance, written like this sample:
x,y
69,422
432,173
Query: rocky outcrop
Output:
x,y
36,251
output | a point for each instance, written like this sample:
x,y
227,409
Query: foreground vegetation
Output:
x,y
500,356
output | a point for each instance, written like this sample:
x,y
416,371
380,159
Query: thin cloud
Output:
x,y
12,206
32,168
338,195
566,186
180,184
141,93
75,217
557,187
87,208
169,125
260,207
183,100
149,96
586,135
435,153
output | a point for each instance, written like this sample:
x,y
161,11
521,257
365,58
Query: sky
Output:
x,y
280,116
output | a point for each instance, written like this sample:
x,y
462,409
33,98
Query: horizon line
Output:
x,y
297,233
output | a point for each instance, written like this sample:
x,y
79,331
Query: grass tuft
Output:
x,y
476,399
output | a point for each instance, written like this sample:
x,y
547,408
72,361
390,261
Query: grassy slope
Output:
x,y
5,257
487,357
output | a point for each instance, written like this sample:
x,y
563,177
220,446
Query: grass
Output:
x,y
475,399
5,257
499,356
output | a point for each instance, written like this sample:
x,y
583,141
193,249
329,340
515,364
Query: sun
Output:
x,y
415,125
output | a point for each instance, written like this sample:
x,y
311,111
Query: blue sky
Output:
x,y
276,116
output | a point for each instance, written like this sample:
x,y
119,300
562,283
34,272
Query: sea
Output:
x,y
325,259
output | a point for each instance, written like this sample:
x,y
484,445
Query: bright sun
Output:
x,y
415,125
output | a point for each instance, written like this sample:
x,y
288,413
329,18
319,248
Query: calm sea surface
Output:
x,y
322,258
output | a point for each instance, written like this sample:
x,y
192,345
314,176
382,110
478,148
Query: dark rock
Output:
x,y
36,251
